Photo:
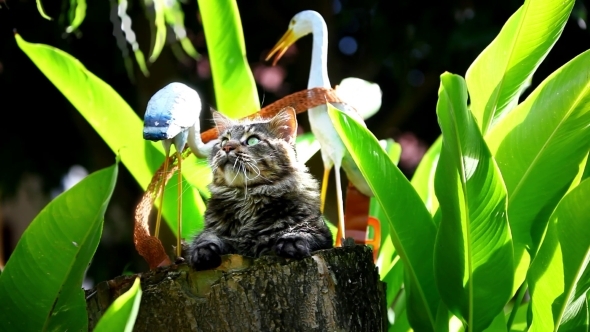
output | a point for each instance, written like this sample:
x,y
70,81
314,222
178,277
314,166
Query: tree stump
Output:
x,y
334,290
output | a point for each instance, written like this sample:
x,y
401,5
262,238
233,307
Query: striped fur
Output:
x,y
263,201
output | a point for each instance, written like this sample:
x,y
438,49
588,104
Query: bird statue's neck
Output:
x,y
318,74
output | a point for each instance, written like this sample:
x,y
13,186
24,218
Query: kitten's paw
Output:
x,y
206,256
292,246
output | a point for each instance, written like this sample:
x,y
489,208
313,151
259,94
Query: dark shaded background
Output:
x,y
403,46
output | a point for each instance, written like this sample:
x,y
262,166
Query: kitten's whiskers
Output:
x,y
257,171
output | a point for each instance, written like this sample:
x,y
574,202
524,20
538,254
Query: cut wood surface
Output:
x,y
334,290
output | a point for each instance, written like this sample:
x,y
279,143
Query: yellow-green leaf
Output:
x,y
504,69
235,89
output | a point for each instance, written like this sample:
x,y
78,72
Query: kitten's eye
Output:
x,y
252,140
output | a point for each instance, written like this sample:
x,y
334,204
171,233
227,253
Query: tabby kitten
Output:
x,y
263,201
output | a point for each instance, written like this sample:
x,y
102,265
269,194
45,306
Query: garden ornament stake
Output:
x,y
172,116
334,153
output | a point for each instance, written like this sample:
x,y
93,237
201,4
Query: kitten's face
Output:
x,y
253,152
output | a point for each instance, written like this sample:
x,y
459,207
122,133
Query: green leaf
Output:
x,y
388,261
401,323
558,284
160,27
175,18
125,24
394,278
393,149
586,173
41,286
235,89
77,14
405,213
579,175
473,252
121,129
42,11
121,314
387,258
498,324
577,316
423,178
520,320
539,147
504,69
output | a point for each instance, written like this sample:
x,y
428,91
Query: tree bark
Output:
x,y
334,290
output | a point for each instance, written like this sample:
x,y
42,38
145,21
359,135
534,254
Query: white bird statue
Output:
x,y
334,153
172,116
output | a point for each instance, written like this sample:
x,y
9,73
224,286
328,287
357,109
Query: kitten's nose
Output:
x,y
229,146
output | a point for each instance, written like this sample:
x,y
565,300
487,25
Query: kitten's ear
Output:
x,y
221,121
284,124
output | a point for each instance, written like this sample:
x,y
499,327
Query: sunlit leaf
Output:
x,y
407,217
77,14
387,257
473,251
394,279
498,324
41,286
140,59
121,129
401,323
558,284
42,11
520,321
504,69
586,173
121,314
388,261
175,18
235,89
579,175
159,39
576,316
125,26
539,147
423,178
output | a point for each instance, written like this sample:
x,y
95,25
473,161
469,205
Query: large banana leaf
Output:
x,y
473,251
423,178
405,213
121,129
539,147
41,286
387,258
504,69
558,277
388,261
121,314
235,90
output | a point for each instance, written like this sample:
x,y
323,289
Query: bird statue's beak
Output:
x,y
281,46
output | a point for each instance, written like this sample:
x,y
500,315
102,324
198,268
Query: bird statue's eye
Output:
x,y
252,140
292,22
